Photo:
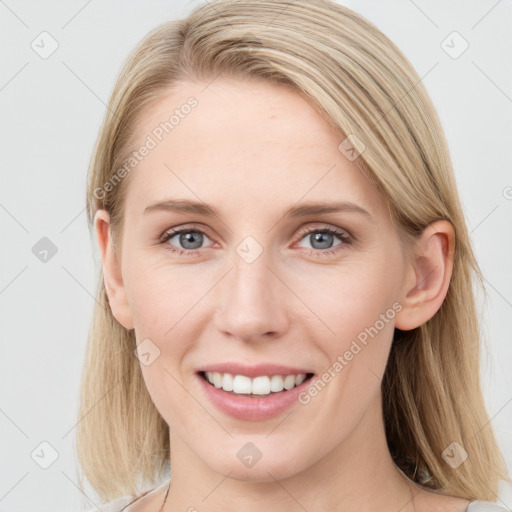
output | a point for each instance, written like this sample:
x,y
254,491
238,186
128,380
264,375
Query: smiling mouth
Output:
x,y
279,384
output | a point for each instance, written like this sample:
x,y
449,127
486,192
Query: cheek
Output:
x,y
165,305
162,299
356,305
161,295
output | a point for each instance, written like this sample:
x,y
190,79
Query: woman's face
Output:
x,y
256,284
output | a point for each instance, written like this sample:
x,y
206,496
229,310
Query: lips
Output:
x,y
253,371
252,407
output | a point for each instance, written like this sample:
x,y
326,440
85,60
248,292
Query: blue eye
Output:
x,y
324,237
191,239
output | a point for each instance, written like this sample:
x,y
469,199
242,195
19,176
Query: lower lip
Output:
x,y
252,408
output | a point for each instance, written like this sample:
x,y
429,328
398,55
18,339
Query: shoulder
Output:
x,y
485,506
431,501
116,505
145,501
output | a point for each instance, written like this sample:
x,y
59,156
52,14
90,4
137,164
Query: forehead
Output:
x,y
254,112
246,140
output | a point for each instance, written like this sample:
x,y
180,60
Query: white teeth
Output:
x,y
276,383
227,382
262,385
300,379
242,384
217,379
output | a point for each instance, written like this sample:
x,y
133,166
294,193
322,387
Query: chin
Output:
x,y
265,470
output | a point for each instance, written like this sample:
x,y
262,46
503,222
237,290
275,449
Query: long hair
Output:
x,y
365,88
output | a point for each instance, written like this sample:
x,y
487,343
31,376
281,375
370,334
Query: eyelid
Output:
x,y
186,227
321,226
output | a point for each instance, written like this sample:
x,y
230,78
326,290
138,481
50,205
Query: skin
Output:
x,y
252,150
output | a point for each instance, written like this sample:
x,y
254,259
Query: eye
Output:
x,y
321,240
190,239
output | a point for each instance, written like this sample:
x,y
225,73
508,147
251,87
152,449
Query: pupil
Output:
x,y
186,238
318,237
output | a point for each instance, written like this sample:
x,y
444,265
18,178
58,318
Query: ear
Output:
x,y
429,274
112,276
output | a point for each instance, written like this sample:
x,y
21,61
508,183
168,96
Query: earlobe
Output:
x,y
112,276
430,272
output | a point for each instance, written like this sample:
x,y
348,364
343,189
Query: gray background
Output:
x,y
51,113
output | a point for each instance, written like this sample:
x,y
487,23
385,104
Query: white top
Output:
x,y
120,504
114,506
485,506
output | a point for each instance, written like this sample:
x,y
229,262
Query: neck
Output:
x,y
358,474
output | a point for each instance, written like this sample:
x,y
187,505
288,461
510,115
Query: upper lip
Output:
x,y
252,370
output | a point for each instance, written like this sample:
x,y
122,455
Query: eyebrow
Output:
x,y
302,210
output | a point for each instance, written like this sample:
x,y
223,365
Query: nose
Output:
x,y
251,302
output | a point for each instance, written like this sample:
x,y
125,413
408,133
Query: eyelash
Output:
x,y
345,238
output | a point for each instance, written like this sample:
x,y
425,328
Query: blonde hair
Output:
x,y
362,84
